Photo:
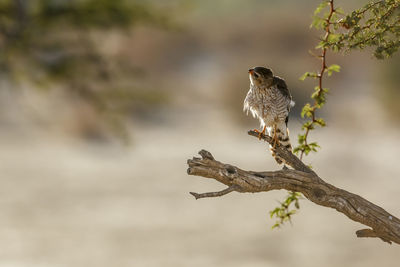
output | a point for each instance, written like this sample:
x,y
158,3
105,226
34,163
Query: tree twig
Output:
x,y
216,194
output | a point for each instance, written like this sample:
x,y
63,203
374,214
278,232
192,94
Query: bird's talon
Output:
x,y
261,134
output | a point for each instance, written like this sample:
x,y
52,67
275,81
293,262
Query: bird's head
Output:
x,y
261,76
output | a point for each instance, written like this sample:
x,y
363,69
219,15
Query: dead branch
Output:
x,y
216,194
301,179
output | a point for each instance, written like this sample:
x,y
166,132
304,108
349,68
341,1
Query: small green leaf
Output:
x,y
308,125
276,225
306,111
318,23
321,44
314,146
333,37
275,211
320,122
321,6
308,74
301,138
304,76
290,213
333,68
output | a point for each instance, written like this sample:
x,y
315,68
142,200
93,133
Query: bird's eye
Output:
x,y
255,75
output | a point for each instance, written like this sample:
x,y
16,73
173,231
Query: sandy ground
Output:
x,y
65,203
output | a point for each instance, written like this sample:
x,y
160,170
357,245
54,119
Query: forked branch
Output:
x,y
301,179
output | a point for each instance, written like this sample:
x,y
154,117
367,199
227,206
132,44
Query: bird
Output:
x,y
269,100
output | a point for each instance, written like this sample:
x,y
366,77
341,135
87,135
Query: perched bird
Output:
x,y
270,101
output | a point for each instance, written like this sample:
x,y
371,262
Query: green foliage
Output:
x,y
308,74
284,212
308,112
320,122
324,22
333,68
375,25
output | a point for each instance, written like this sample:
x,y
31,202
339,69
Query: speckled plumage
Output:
x,y
270,101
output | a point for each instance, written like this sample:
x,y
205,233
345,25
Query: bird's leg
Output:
x,y
260,134
275,138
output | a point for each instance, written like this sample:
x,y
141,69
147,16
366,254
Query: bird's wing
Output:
x,y
282,87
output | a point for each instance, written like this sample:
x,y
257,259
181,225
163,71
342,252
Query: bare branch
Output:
x,y
370,233
216,194
382,224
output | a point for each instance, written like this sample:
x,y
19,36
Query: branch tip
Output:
x,y
206,155
196,195
371,233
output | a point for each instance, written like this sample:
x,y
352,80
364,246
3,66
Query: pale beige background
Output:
x,y
69,201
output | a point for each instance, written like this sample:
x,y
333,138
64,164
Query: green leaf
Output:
x,y
308,125
276,225
318,23
320,122
306,111
290,213
320,7
314,146
333,37
301,138
308,74
333,68
304,76
276,210
321,44
316,95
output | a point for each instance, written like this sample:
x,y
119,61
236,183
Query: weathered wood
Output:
x,y
283,153
302,179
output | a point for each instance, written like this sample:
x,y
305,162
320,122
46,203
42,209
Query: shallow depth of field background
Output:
x,y
87,186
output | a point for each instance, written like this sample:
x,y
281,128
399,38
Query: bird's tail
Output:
x,y
282,134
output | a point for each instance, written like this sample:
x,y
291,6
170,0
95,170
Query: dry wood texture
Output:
x,y
300,179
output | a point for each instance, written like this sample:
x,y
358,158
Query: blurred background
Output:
x,y
103,101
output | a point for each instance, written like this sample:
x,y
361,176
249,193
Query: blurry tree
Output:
x,y
56,43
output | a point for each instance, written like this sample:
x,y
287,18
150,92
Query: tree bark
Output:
x,y
300,179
